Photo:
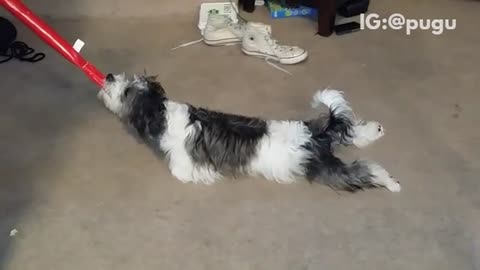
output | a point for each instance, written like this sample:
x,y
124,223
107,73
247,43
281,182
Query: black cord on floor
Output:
x,y
22,52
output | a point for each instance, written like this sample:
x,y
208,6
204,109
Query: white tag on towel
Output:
x,y
78,45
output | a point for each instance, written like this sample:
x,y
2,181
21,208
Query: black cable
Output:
x,y
22,52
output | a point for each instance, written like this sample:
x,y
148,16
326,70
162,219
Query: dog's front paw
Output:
x,y
382,178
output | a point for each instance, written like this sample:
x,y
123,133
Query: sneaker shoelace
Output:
x,y
276,66
267,59
275,46
187,44
237,26
272,42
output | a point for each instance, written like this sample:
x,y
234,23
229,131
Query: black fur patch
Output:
x,y
340,128
323,166
335,127
225,141
147,115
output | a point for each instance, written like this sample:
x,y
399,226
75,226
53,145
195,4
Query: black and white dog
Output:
x,y
201,145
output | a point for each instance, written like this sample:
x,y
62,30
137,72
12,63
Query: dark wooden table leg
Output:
x,y
327,10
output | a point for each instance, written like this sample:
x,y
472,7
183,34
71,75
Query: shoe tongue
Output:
x,y
263,28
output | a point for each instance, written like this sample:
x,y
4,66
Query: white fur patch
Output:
x,y
112,92
173,144
333,99
367,132
280,153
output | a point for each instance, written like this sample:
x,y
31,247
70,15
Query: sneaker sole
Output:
x,y
285,61
222,42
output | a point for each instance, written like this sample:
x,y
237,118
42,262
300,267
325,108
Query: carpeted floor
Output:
x,y
84,194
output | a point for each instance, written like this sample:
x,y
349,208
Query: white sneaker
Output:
x,y
257,41
221,30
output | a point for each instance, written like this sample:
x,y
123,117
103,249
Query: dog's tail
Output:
x,y
341,119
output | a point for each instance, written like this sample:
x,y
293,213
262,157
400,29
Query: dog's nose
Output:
x,y
110,77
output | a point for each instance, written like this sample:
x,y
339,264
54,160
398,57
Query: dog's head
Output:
x,y
119,92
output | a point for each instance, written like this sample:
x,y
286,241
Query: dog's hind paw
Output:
x,y
394,186
366,133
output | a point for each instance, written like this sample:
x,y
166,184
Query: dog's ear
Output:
x,y
154,85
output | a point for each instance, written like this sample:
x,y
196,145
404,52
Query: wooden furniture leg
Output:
x,y
327,11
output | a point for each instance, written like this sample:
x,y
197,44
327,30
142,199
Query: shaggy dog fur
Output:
x,y
201,145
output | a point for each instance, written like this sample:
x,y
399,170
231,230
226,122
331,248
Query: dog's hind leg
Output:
x,y
342,127
330,170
